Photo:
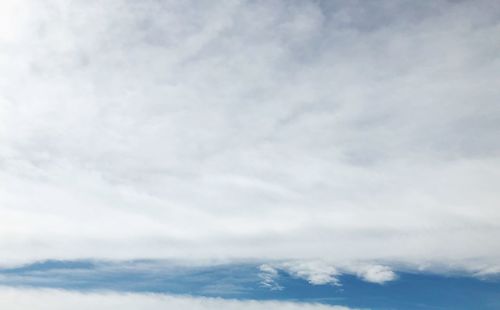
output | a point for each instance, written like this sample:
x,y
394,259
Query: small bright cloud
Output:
x,y
315,272
375,273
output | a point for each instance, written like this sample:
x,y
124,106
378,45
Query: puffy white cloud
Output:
x,y
281,130
24,299
315,272
320,272
375,273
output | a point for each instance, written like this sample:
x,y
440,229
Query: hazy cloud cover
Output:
x,y
345,132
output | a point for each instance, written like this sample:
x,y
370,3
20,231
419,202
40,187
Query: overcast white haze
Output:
x,y
316,137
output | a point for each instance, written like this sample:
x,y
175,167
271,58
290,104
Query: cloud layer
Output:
x,y
338,130
16,299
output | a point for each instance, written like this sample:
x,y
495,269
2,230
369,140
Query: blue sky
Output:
x,y
411,290
274,150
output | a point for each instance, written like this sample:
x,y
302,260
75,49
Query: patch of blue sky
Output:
x,y
241,281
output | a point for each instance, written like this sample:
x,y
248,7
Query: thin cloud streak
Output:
x,y
23,299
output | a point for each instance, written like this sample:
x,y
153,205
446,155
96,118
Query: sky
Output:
x,y
314,154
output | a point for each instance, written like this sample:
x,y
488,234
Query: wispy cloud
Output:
x,y
268,275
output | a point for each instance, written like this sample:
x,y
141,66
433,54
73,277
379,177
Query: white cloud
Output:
x,y
320,272
315,272
273,130
268,275
375,273
24,299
